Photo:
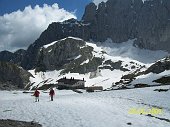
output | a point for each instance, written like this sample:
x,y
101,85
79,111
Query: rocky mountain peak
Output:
x,y
90,12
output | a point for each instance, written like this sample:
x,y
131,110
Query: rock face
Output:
x,y
159,66
153,25
15,57
12,76
68,54
120,20
62,52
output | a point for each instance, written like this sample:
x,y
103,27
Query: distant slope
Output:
x,y
12,76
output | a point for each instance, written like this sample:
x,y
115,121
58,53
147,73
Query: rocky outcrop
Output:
x,y
159,66
15,123
15,57
68,54
12,76
57,55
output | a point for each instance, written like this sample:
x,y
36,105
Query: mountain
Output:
x,y
12,76
100,64
15,57
119,20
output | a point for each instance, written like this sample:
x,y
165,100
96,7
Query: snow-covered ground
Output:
x,y
99,109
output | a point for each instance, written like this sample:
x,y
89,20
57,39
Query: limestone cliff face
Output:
x,y
121,20
153,25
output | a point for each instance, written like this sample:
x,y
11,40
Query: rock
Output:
x,y
15,123
15,57
95,74
153,25
90,12
68,54
163,80
12,76
57,55
159,66
129,123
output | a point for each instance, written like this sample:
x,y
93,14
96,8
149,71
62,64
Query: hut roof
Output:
x,y
71,81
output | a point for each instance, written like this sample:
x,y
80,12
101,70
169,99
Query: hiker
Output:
x,y
36,94
52,93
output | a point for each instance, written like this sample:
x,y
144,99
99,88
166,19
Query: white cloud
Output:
x,y
98,1
21,28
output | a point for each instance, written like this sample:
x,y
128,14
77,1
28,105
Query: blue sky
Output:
x,y
8,6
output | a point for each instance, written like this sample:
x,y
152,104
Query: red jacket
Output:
x,y
36,93
52,92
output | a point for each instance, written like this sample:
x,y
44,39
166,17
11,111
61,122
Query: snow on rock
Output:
x,y
39,78
48,45
149,78
97,2
85,62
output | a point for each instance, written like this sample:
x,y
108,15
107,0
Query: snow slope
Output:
x,y
99,109
106,79
149,78
129,55
127,50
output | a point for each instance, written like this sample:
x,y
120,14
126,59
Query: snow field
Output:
x,y
99,109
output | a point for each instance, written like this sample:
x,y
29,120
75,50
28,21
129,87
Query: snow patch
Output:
x,y
48,45
85,62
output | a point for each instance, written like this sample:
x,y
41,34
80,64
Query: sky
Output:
x,y
22,21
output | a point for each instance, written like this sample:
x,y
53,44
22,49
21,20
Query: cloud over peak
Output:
x,y
21,28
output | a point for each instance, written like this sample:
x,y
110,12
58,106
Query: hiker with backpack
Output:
x,y
36,94
51,93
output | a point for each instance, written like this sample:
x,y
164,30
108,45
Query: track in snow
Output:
x,y
101,109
